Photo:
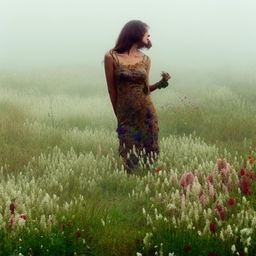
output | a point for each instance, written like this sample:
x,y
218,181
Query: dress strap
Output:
x,y
144,57
113,54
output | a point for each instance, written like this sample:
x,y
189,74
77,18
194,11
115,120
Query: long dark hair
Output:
x,y
132,32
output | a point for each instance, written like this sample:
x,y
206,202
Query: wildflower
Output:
x,y
231,201
212,227
244,185
249,157
78,233
202,198
233,248
251,161
12,207
242,171
212,254
228,185
250,175
70,222
158,169
220,211
186,247
224,169
23,217
210,178
187,179
222,164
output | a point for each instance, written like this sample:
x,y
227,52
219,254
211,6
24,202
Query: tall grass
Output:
x,y
60,167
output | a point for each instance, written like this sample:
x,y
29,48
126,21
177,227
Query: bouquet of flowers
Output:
x,y
163,83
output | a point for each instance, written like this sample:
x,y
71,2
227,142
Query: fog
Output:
x,y
199,34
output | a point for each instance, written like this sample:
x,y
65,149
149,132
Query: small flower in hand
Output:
x,y
165,75
163,83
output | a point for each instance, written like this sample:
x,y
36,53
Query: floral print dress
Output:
x,y
137,128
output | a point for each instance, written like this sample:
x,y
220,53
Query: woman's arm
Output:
x,y
153,86
108,63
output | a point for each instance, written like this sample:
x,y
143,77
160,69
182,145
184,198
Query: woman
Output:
x,y
127,72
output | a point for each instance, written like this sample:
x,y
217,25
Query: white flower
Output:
x,y
147,238
171,206
103,222
248,241
233,248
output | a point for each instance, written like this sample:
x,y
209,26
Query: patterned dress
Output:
x,y
137,127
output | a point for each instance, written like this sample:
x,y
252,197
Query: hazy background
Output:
x,y
200,36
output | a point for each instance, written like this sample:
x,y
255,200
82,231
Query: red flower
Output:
x,y
242,171
78,233
12,207
244,185
23,217
249,157
220,211
158,169
212,254
250,175
186,247
231,201
251,161
212,227
70,222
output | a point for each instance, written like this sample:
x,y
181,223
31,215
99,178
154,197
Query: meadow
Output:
x,y
64,190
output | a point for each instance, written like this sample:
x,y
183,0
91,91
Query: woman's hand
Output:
x,y
167,76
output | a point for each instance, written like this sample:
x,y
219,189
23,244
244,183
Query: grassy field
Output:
x,y
64,190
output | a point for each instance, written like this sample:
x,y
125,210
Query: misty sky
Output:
x,y
191,33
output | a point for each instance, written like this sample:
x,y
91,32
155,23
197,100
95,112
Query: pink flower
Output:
x,y
187,179
224,169
222,165
210,178
202,198
220,211
228,185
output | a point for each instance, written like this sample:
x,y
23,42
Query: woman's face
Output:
x,y
145,38
145,42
